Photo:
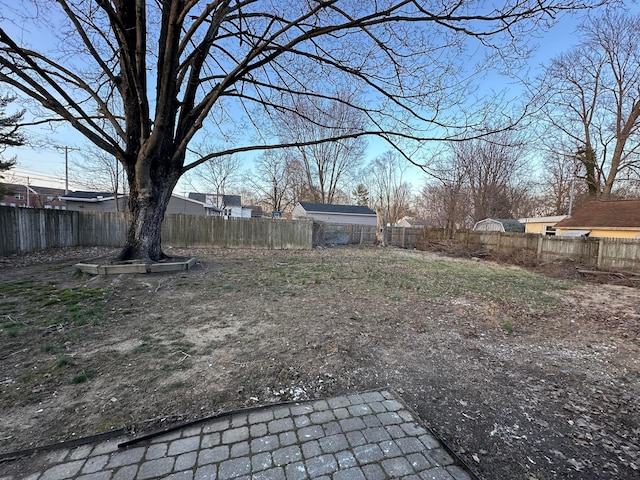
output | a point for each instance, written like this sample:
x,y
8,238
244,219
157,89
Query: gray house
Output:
x,y
94,202
349,214
106,202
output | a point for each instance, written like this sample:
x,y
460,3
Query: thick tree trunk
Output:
x,y
148,202
144,241
588,159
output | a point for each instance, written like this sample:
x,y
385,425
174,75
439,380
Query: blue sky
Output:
x,y
47,164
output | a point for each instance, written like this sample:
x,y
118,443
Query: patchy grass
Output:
x,y
507,327
48,305
83,376
252,327
394,273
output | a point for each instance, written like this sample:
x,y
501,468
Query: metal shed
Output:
x,y
499,225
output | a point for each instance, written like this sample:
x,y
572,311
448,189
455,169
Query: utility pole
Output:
x,y
66,170
28,205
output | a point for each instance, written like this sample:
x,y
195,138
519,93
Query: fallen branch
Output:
x,y
13,353
186,355
599,272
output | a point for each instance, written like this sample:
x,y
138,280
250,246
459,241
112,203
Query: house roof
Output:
x,y
605,214
549,219
340,209
19,188
198,197
232,200
83,196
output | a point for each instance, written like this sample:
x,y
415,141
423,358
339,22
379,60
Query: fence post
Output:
x,y
600,249
539,249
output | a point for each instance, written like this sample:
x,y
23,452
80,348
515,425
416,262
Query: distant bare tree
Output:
x,y
309,120
218,175
96,170
273,181
482,178
390,193
559,183
591,100
493,172
444,200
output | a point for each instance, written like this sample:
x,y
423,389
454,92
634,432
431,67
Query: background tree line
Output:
x,y
187,89
579,137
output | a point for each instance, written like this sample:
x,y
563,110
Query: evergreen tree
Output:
x,y
9,137
361,194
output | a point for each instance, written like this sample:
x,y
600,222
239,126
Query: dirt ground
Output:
x,y
523,375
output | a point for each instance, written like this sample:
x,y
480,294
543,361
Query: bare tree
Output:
x,y
273,180
97,170
390,194
326,164
591,100
157,72
444,207
559,183
493,171
217,175
444,200
481,178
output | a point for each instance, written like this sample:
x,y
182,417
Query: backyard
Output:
x,y
524,376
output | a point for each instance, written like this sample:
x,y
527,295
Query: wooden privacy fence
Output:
x,y
199,231
28,229
403,237
602,253
343,234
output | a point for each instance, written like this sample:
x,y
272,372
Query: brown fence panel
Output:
x,y
26,230
30,229
344,234
584,250
505,244
198,231
404,237
619,254
107,229
9,235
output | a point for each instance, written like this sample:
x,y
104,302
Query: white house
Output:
x,y
227,206
349,214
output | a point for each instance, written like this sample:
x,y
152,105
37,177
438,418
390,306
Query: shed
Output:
x,y
348,214
499,225
410,222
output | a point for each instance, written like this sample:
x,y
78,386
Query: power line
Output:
x,y
30,176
